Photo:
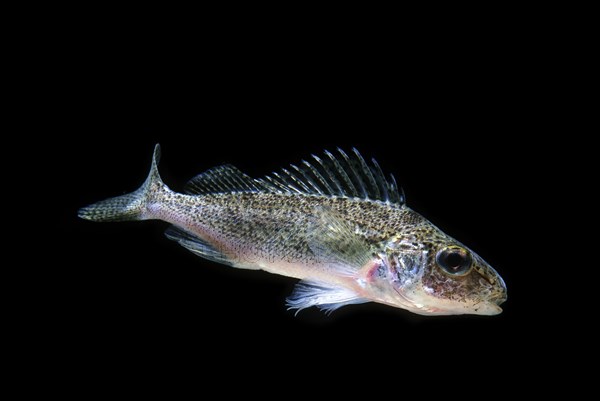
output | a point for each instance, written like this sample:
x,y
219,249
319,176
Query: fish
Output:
x,y
337,223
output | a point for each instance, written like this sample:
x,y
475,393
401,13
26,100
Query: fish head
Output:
x,y
438,276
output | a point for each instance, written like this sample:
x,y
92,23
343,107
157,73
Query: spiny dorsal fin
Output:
x,y
226,178
331,175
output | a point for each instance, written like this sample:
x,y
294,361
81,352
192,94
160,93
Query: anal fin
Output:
x,y
325,296
199,247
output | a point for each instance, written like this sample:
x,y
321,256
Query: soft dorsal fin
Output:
x,y
226,178
341,175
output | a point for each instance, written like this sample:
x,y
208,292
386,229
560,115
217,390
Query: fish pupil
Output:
x,y
455,260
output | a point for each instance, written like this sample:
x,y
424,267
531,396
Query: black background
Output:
x,y
453,124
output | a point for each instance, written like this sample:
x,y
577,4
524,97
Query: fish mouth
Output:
x,y
492,304
497,295
487,308
493,308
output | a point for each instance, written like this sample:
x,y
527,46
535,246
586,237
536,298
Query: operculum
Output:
x,y
395,277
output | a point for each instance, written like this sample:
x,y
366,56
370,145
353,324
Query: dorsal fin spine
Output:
x,y
309,180
287,184
303,188
328,175
351,189
318,176
369,175
279,187
380,180
395,196
355,174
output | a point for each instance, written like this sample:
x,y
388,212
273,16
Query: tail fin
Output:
x,y
127,207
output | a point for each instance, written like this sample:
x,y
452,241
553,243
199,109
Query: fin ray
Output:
x,y
335,242
326,297
225,178
201,248
342,175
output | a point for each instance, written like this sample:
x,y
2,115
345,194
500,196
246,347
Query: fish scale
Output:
x,y
336,223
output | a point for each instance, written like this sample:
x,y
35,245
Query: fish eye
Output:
x,y
454,260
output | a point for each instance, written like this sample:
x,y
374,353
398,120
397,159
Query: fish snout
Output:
x,y
496,293
494,285
497,297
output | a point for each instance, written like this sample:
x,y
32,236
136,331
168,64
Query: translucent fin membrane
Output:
x,y
329,175
336,175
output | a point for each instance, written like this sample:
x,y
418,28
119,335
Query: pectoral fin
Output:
x,y
337,243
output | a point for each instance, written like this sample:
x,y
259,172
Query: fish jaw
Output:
x,y
416,300
488,308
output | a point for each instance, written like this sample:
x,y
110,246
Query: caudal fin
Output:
x,y
127,207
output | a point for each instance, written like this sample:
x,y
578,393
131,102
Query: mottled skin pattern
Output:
x,y
345,248
252,226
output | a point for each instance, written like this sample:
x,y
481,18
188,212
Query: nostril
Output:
x,y
487,281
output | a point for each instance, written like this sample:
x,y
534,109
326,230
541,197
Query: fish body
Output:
x,y
337,224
